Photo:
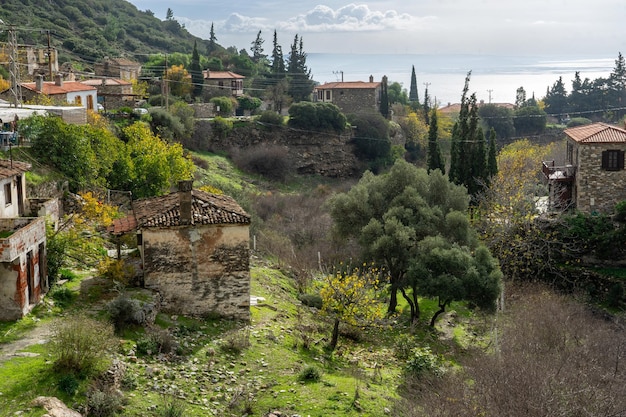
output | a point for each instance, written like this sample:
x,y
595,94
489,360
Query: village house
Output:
x,y
113,93
70,91
194,248
122,68
225,81
351,96
593,178
23,272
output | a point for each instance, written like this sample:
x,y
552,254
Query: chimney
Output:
x,y
371,78
184,199
39,83
58,80
71,76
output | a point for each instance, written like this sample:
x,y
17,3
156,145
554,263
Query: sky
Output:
x,y
485,27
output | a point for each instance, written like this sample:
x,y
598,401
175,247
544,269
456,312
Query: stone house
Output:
x,y
23,272
194,249
593,179
72,92
113,93
224,81
123,68
351,96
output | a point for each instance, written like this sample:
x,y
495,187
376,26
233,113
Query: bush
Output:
x,y
578,121
68,384
270,161
225,105
310,374
422,361
317,116
222,127
67,274
62,296
103,402
116,270
171,407
235,342
271,119
620,211
79,344
124,311
156,341
311,300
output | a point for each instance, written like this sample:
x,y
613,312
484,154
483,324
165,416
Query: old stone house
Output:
x,y
194,250
122,68
113,93
593,179
351,96
225,81
23,273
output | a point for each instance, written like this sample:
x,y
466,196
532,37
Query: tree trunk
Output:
x,y
335,336
442,309
411,304
393,299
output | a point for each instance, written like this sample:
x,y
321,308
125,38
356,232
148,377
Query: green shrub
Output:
x,y
222,127
404,346
422,361
78,344
311,300
225,105
62,296
271,119
235,342
156,341
171,407
310,374
270,161
578,121
67,274
317,116
103,402
124,311
620,211
68,383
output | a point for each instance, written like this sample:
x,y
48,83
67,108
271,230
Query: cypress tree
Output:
x,y
426,106
300,84
492,162
197,79
435,160
384,99
212,41
278,62
413,96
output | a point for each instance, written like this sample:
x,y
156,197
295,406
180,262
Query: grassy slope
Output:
x,y
284,337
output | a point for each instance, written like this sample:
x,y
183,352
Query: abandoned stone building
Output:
x,y
194,249
351,96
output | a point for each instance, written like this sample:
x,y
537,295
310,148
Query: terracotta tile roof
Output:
x,y
9,169
597,133
222,75
50,88
164,211
96,82
348,85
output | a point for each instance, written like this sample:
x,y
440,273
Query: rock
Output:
x,y
55,407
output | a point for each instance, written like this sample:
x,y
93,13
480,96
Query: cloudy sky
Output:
x,y
508,27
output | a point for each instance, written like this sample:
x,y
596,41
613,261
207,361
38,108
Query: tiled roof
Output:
x,y
222,75
597,133
10,168
50,88
96,82
348,85
164,211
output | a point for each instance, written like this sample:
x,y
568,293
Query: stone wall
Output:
x,y
598,190
356,100
199,270
325,154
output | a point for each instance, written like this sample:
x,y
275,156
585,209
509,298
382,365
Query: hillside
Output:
x,y
88,30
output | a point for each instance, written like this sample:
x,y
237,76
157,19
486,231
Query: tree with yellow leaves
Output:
x,y
349,296
179,81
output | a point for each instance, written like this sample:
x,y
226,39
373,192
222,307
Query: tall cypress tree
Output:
x,y
460,135
195,70
426,106
300,84
435,160
384,98
413,97
212,41
278,62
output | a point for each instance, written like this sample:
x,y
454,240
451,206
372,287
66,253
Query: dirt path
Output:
x,y
38,335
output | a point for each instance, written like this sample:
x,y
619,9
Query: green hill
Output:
x,y
88,30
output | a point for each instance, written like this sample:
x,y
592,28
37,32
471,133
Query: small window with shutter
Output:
x,y
613,160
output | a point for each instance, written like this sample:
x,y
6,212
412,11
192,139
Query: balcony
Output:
x,y
565,173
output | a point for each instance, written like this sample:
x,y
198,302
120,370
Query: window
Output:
x,y
8,195
327,95
613,160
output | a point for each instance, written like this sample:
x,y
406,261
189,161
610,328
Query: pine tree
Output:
x,y
257,49
169,15
197,79
435,160
384,98
212,41
413,96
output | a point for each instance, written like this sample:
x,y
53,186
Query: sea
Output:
x,y
494,79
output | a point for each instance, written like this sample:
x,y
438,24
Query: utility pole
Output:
x,y
14,68
490,91
337,73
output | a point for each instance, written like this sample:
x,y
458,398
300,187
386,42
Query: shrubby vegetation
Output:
x,y
316,117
